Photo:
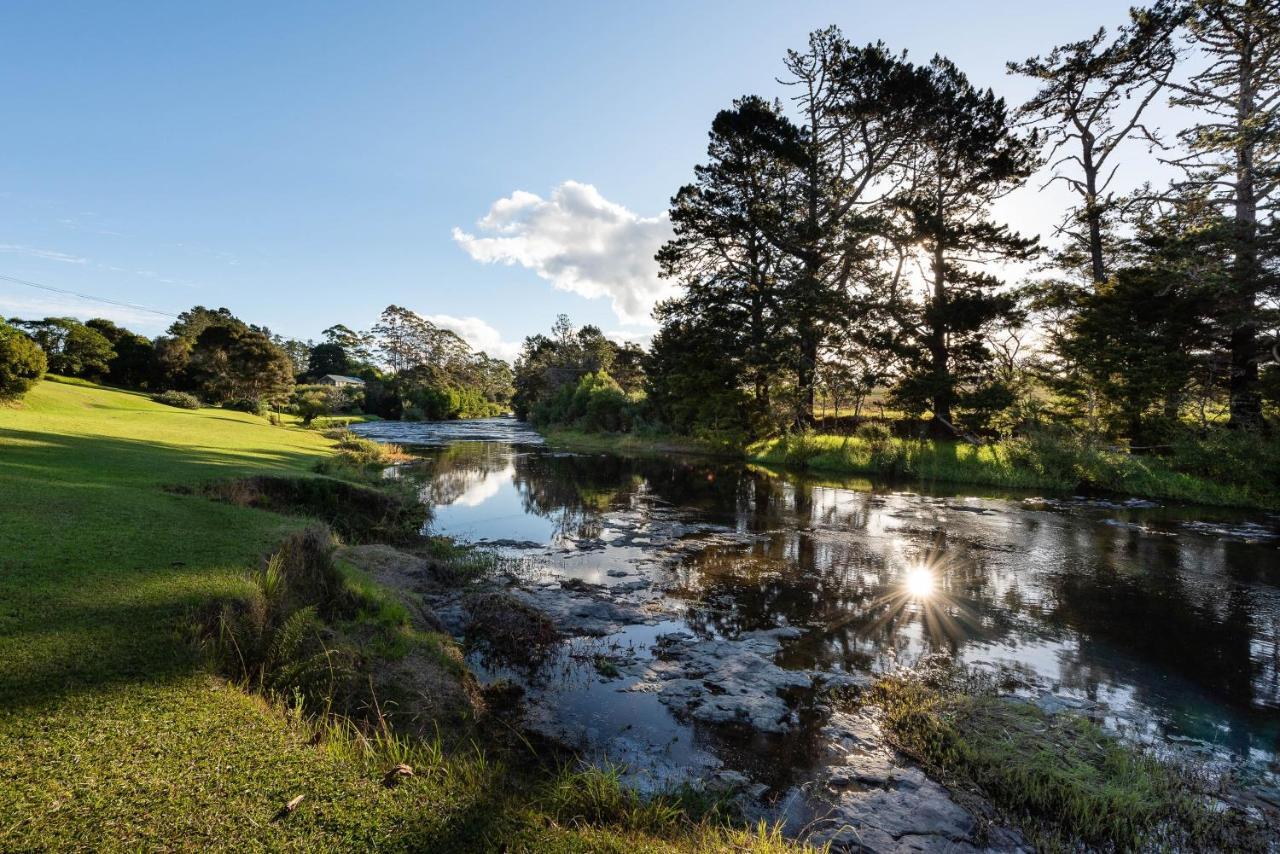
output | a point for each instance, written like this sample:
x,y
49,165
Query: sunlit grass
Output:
x,y
1037,463
114,736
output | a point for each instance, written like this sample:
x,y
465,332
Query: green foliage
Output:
x,y
311,402
447,403
1065,780
272,640
134,363
1044,459
180,399
251,405
72,348
229,362
22,363
594,403
550,368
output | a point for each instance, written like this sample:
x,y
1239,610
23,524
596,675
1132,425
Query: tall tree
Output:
x,y
134,363
237,362
725,250
72,348
1233,156
966,157
858,107
1093,97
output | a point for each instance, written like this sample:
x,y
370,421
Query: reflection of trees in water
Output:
x,y
448,473
576,491
1145,607
1146,614
1125,598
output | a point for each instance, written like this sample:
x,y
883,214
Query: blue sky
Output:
x,y
307,164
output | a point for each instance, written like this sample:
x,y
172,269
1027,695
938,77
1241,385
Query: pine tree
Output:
x,y
1233,157
967,156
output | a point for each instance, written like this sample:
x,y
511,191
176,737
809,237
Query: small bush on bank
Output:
x,y
180,399
272,641
251,405
22,363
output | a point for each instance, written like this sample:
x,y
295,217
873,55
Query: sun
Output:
x,y
919,582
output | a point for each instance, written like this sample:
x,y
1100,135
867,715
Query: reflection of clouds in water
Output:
x,y
483,487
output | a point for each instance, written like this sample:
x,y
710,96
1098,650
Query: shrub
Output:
x,y
273,640
180,399
22,363
1229,456
251,405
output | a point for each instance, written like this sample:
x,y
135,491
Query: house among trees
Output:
x,y
340,381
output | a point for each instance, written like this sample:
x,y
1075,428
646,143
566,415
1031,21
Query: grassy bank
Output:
x,y
1225,475
1050,463
1068,784
114,732
635,444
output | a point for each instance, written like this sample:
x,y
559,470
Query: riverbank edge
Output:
x,y
576,804
1004,465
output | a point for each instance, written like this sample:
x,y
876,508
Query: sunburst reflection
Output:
x,y
919,582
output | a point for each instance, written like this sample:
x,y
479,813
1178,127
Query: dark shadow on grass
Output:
x,y
99,567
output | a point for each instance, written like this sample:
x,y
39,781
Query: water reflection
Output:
x,y
1176,631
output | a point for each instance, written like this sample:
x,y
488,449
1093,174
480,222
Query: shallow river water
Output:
x,y
730,591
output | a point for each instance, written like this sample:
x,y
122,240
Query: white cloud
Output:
x,y
629,336
477,333
46,254
580,242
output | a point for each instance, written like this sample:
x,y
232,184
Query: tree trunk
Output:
x,y
806,387
1246,403
939,357
1092,210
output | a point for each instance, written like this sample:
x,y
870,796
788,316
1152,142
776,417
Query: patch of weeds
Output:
x,y
455,563
605,666
275,640
358,513
597,796
1064,780
356,452
508,629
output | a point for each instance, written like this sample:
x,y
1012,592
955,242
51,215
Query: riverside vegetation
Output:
x,y
124,597
208,650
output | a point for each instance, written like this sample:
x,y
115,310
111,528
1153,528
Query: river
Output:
x,y
1162,622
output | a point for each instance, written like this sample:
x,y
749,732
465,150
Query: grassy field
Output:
x,y
114,735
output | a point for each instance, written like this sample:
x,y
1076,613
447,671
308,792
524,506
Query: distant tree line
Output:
x,y
846,244
408,366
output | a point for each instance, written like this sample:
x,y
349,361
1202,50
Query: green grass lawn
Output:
x,y
113,735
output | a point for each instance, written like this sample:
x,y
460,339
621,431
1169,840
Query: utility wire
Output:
x,y
89,297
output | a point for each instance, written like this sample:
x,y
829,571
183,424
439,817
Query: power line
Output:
x,y
89,297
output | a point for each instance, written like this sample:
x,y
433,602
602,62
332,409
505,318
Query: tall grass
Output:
x,y
1065,781
1054,461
